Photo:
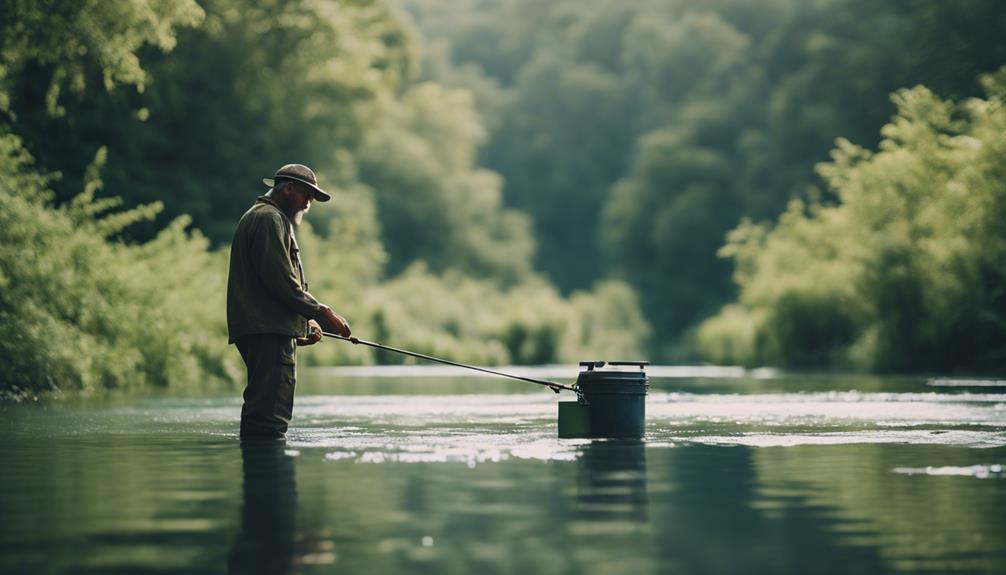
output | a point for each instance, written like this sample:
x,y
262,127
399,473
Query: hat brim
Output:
x,y
319,194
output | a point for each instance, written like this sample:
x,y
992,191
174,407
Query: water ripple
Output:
x,y
978,439
980,471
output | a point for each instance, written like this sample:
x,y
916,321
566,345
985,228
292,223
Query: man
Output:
x,y
269,310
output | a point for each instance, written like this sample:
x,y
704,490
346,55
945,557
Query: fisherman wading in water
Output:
x,y
269,310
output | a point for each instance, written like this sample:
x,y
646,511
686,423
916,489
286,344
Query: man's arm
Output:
x,y
335,324
270,247
276,271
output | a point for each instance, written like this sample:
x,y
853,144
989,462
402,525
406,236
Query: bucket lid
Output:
x,y
616,372
613,365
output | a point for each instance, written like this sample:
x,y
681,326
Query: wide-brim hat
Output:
x,y
299,173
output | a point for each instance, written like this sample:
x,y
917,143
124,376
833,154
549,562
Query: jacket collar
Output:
x,y
272,202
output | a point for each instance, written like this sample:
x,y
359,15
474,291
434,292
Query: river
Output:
x,y
420,471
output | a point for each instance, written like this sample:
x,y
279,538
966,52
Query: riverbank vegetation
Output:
x,y
83,311
901,267
100,293
514,181
636,135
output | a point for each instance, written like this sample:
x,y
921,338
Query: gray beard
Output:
x,y
298,216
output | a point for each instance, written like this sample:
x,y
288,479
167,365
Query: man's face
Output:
x,y
300,197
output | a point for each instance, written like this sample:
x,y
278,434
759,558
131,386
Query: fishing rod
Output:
x,y
550,384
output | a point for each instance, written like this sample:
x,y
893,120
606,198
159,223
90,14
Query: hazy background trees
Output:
x,y
124,123
514,180
904,272
643,132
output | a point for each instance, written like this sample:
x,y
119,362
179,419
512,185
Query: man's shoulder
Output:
x,y
260,208
262,213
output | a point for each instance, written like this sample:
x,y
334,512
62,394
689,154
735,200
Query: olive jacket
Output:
x,y
266,288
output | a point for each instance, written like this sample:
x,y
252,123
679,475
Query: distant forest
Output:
x,y
638,134
515,181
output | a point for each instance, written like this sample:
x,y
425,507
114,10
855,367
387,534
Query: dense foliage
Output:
x,y
71,43
904,271
417,249
81,312
434,204
255,85
644,131
515,180
453,314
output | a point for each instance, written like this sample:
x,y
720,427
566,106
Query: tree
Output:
x,y
433,203
905,272
257,85
586,88
63,42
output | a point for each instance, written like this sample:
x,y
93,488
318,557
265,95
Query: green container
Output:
x,y
574,420
614,401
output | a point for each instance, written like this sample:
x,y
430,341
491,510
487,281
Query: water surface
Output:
x,y
420,472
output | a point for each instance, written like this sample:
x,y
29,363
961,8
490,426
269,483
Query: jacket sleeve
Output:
x,y
270,246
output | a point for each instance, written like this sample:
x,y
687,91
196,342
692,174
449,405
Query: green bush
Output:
x,y
457,317
82,311
450,313
906,272
729,337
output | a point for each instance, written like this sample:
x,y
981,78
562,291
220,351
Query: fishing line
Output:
x,y
550,384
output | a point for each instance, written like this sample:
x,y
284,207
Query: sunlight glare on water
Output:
x,y
448,475
476,428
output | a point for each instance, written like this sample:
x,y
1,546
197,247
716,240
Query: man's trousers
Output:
x,y
272,376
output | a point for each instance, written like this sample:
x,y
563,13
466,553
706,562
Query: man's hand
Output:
x,y
313,334
334,323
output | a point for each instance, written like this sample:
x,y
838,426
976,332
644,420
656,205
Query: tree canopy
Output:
x,y
904,271
638,134
179,109
514,180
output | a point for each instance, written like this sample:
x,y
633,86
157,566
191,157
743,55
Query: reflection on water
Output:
x,y
716,522
899,479
266,543
611,480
